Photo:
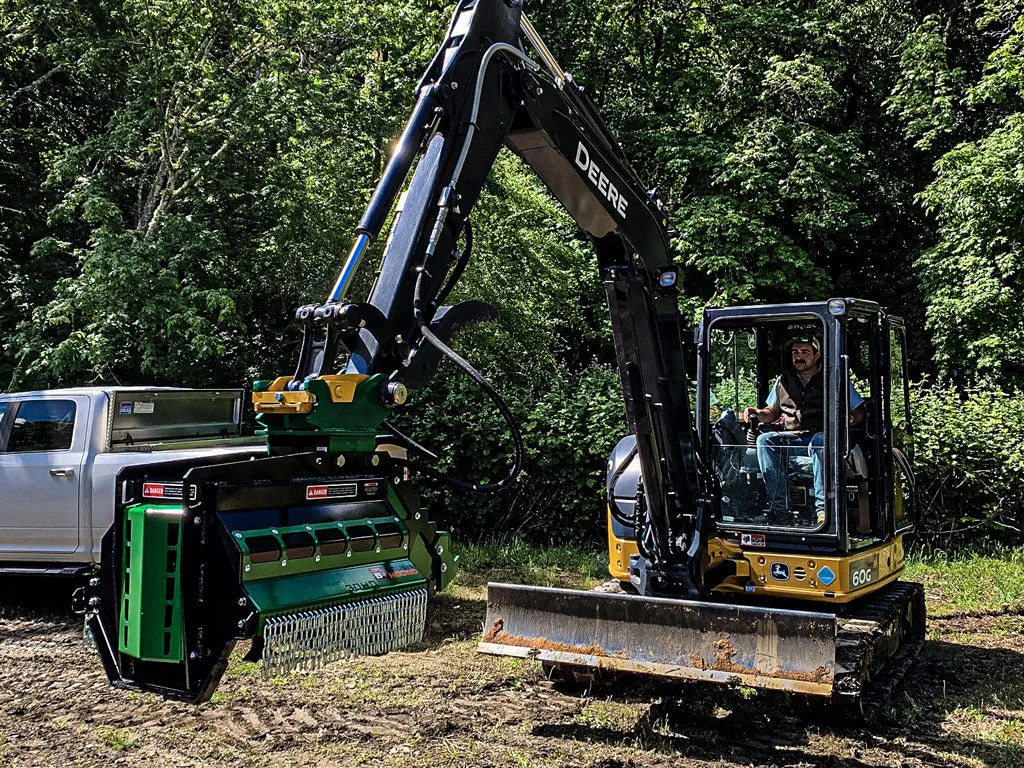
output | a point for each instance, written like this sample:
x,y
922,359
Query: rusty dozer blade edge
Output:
x,y
761,647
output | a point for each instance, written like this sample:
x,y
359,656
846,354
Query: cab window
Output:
x,y
772,476
42,425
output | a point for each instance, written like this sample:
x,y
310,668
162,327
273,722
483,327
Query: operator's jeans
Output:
x,y
772,456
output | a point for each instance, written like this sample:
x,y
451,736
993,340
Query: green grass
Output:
x,y
521,563
970,581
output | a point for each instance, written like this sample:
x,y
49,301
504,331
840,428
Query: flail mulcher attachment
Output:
x,y
310,562
808,652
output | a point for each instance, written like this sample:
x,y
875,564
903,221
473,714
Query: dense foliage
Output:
x,y
175,177
969,463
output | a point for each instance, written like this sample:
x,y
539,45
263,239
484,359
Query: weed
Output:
x,y
118,739
1009,731
608,714
244,668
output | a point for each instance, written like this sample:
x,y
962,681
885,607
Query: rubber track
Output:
x,y
876,642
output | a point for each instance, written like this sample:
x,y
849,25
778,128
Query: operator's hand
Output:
x,y
749,413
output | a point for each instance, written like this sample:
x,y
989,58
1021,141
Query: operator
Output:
x,y
799,398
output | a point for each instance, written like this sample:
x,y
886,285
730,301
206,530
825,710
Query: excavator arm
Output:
x,y
482,91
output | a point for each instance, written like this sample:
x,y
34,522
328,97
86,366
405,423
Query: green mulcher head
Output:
x,y
309,560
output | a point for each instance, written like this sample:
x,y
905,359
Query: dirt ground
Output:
x,y
442,704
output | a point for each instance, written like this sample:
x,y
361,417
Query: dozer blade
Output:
x,y
689,640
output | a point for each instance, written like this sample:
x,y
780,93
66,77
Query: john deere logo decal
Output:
x,y
780,571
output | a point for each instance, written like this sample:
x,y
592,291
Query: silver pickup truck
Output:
x,y
61,450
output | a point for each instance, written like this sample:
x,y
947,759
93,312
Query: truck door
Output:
x,y
42,446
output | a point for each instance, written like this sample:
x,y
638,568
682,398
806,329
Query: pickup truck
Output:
x,y
61,450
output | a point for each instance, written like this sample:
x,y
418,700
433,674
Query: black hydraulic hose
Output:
x,y
451,354
409,442
613,507
460,266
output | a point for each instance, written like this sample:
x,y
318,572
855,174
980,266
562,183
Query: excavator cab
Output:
x,y
848,484
842,489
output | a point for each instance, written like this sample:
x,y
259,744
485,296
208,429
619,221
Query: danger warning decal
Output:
x,y
162,490
752,540
338,491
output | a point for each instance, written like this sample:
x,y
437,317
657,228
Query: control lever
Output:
x,y
753,428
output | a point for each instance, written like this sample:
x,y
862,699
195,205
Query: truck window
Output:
x,y
43,425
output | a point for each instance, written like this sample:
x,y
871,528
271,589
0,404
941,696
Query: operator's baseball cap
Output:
x,y
804,338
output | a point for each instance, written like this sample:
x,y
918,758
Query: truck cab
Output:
x,y
60,452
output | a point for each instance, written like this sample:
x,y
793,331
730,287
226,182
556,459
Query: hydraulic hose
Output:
x,y
460,266
455,357
613,507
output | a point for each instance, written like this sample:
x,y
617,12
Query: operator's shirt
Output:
x,y
856,401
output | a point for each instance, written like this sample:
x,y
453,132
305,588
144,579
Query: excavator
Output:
x,y
782,575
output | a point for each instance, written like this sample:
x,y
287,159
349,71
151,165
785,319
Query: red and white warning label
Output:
x,y
337,491
162,490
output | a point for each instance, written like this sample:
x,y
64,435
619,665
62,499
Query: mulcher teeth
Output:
x,y
308,640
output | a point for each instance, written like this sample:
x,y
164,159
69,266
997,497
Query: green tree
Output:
x,y
962,89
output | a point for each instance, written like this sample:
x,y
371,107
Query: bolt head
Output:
x,y
395,393
340,461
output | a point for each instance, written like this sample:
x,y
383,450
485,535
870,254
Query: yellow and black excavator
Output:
x,y
770,560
